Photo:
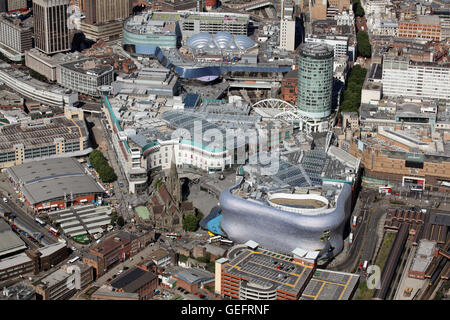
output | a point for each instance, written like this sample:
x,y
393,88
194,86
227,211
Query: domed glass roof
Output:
x,y
221,41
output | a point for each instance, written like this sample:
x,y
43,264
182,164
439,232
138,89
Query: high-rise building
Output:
x,y
51,32
104,11
15,36
287,26
315,80
403,77
104,18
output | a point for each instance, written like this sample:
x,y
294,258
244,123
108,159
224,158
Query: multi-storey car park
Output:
x,y
251,272
44,138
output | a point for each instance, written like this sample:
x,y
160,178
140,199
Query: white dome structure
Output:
x,y
221,41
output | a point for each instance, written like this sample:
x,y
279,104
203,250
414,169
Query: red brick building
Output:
x,y
424,27
136,280
289,87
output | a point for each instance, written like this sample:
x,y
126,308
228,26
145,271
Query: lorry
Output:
x,y
354,222
350,238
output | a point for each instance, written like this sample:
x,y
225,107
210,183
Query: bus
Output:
x,y
54,232
42,223
354,222
226,242
173,235
73,259
385,190
214,239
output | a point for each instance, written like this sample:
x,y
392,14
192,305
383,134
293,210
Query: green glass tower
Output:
x,y
315,80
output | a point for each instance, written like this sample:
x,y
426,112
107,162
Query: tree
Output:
x,y
358,9
190,222
120,221
352,94
100,164
364,48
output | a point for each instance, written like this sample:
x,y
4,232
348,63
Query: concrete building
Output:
x,y
318,10
14,5
62,136
15,36
36,90
63,283
161,258
10,243
287,26
51,32
423,27
406,78
86,76
340,44
32,261
104,18
315,80
48,65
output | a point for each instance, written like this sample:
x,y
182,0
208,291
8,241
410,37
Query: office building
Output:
x,y
406,78
105,11
64,282
338,43
51,32
13,5
315,80
318,10
86,76
287,26
104,18
423,27
32,261
15,36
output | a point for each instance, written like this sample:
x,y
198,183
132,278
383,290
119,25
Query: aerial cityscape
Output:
x,y
224,150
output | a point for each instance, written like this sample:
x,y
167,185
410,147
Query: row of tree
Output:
x,y
352,94
101,165
358,9
364,47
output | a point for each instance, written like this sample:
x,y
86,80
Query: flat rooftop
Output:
x,y
267,269
41,132
330,285
9,241
53,178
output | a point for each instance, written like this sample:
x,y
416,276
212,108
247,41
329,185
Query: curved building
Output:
x,y
315,80
142,30
284,221
220,42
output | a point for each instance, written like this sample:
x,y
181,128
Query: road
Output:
x,y
28,223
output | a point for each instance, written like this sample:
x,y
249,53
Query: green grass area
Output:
x,y
82,239
386,246
364,292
